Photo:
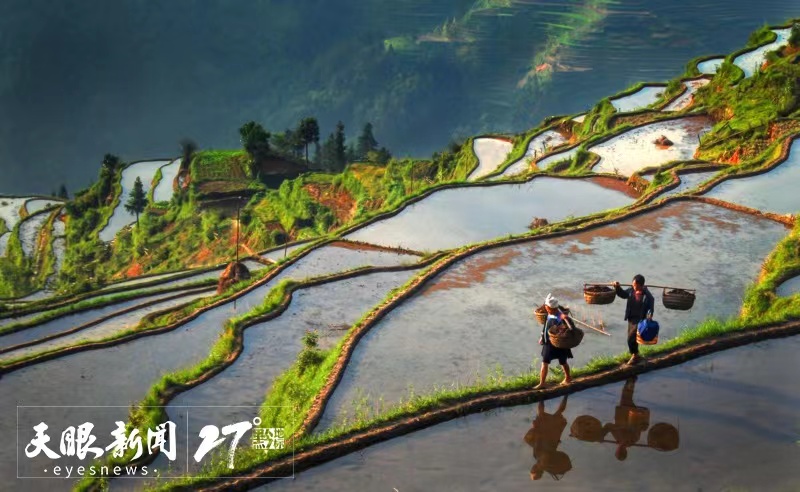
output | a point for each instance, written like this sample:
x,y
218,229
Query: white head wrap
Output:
x,y
551,301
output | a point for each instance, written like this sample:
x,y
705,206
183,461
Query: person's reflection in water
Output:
x,y
544,437
629,421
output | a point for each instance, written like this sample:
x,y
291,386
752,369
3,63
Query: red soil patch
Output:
x,y
134,270
734,159
339,201
202,256
789,50
475,273
629,187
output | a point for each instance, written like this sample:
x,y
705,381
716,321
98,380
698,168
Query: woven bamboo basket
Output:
x,y
599,294
565,338
541,313
679,299
587,428
663,437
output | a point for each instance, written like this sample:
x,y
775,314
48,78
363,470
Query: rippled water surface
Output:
x,y
774,191
460,216
697,426
478,313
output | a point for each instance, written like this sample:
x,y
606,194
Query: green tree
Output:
x,y
282,142
317,155
366,142
255,140
111,163
340,149
380,156
328,153
308,132
794,37
137,199
62,192
350,154
188,148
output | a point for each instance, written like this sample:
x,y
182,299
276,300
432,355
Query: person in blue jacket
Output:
x,y
640,306
549,352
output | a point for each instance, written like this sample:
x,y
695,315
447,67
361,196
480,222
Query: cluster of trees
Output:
x,y
333,154
794,37
95,197
62,193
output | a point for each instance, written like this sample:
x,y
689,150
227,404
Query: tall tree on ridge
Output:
x,y
340,151
366,142
255,140
309,132
137,199
188,148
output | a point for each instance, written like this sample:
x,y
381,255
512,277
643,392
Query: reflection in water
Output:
x,y
630,421
544,437
722,431
477,314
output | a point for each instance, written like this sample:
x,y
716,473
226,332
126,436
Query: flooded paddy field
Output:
x,y
37,204
98,332
685,100
472,214
145,171
751,61
491,152
29,231
635,149
118,376
638,100
271,347
710,66
774,191
549,161
689,181
279,254
477,315
789,287
700,424
164,188
70,321
539,145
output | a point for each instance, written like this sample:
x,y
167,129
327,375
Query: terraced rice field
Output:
x,y
145,171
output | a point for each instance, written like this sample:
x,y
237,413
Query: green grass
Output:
x,y
760,37
156,180
16,269
297,389
146,414
745,106
45,256
220,165
93,303
785,258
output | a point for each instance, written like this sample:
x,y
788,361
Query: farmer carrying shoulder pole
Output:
x,y
549,352
640,306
